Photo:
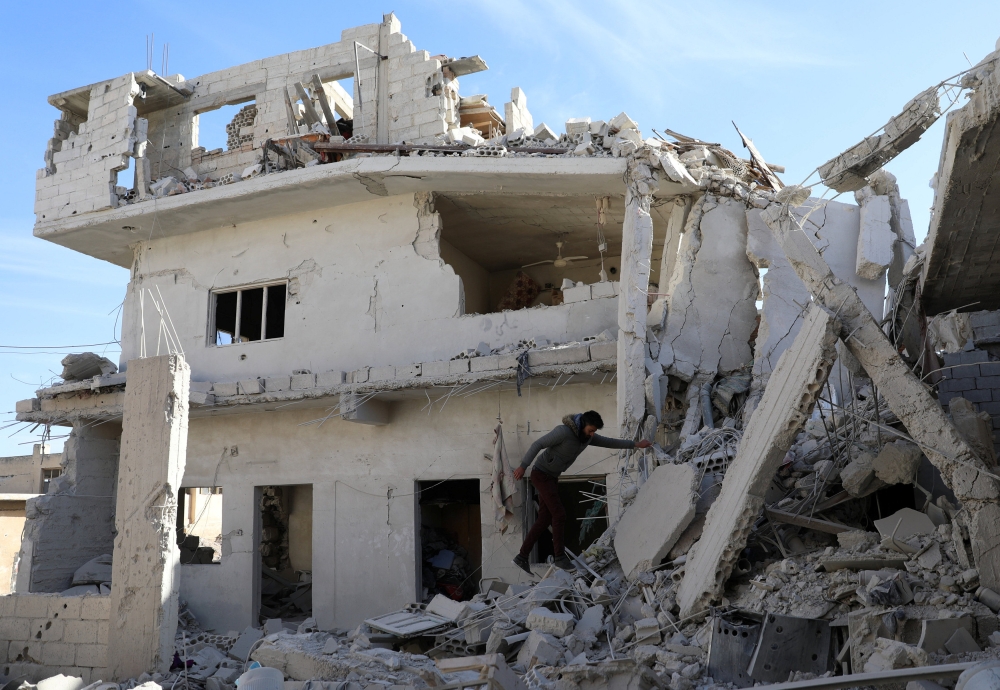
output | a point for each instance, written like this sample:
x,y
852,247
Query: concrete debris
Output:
x,y
85,366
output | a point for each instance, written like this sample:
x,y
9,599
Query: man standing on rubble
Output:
x,y
563,446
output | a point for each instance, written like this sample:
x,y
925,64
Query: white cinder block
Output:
x,y
251,387
607,350
29,405
579,293
561,355
487,363
279,383
408,372
429,369
225,388
301,382
605,289
386,373
458,366
327,379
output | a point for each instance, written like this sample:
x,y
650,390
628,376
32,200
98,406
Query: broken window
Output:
x,y
199,525
451,546
249,314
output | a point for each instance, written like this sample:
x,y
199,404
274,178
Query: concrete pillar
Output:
x,y
637,250
146,569
390,25
787,403
671,240
962,471
74,522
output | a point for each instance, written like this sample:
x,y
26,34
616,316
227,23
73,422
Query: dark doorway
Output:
x,y
284,547
451,543
585,500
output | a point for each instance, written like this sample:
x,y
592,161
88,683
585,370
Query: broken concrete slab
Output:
x,y
442,606
975,427
86,365
241,648
906,396
858,476
787,402
903,524
961,642
146,570
659,515
897,462
539,648
934,633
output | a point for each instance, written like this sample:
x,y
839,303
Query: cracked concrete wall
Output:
x,y
74,522
711,303
835,230
366,288
364,540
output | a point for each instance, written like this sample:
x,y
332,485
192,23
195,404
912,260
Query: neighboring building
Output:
x,y
30,474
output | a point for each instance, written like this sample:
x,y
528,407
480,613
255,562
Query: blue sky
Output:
x,y
803,80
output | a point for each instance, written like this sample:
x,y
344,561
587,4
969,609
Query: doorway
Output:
x,y
450,550
284,551
586,503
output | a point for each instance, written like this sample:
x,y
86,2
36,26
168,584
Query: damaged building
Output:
x,y
342,332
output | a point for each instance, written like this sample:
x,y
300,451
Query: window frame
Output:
x,y
213,302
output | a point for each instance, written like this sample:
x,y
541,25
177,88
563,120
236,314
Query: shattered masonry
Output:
x,y
354,317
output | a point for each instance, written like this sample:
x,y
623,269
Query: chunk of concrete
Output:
x,y
892,654
935,632
442,606
858,476
539,648
647,631
327,379
273,625
961,642
241,648
458,366
599,351
591,621
787,403
226,388
659,515
975,427
876,238
903,524
546,621
897,462
86,365
431,369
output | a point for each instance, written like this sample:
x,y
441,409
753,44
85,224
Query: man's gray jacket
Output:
x,y
563,446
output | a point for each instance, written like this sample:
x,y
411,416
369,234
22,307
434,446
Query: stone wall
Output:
x,y
971,375
45,634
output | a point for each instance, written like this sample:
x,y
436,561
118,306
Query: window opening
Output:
x,y
48,475
451,544
285,548
199,525
249,314
226,128
586,503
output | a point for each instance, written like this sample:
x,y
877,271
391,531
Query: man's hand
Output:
x,y
643,444
519,473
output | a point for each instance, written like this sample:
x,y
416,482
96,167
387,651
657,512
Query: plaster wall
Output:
x,y
363,481
22,474
359,294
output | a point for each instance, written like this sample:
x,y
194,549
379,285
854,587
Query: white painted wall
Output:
x,y
363,478
359,295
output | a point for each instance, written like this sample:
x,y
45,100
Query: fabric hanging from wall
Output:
x,y
506,494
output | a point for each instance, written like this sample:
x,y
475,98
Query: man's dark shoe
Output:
x,y
522,563
563,563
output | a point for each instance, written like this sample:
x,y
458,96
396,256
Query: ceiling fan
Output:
x,y
560,261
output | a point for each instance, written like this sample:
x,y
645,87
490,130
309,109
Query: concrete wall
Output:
x,y
11,527
363,480
45,634
359,295
22,474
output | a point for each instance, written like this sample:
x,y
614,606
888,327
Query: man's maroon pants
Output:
x,y
550,512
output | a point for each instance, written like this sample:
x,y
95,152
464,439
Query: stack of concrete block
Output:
x,y
581,293
415,112
971,375
236,131
45,634
986,327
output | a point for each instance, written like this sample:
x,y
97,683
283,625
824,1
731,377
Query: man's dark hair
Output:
x,y
591,418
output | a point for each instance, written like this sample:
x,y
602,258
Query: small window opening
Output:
x,y
250,314
451,543
48,475
586,503
199,525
